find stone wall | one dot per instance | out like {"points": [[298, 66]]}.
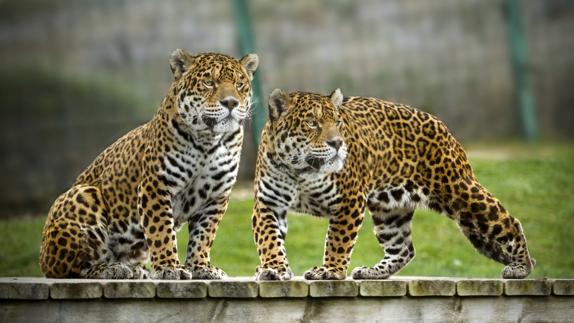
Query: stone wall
{"points": [[406, 299]]}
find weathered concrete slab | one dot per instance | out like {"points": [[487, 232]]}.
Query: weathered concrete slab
{"points": [[39, 288], [233, 289], [528, 287], [76, 289], [129, 289], [382, 288], [480, 287], [292, 288], [563, 287], [432, 287], [181, 289], [309, 309], [24, 288], [333, 288]]}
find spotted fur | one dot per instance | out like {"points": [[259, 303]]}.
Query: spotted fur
{"points": [[335, 157], [178, 168]]}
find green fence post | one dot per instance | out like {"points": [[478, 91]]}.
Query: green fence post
{"points": [[243, 21], [522, 86]]}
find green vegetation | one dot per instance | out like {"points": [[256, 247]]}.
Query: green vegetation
{"points": [[537, 187], [49, 94]]}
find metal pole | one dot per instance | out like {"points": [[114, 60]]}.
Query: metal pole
{"points": [[518, 57], [243, 21]]}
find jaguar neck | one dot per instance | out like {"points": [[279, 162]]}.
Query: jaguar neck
{"points": [[202, 140]]}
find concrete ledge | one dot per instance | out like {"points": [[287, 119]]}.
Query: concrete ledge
{"points": [[410, 299], [181, 289], [479, 287], [82, 289], [382, 288], [333, 288], [528, 287], [129, 289], [432, 287], [563, 287], [243, 288], [274, 289], [308, 309], [24, 288]]}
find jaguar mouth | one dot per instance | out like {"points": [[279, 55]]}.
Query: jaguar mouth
{"points": [[226, 124], [213, 122], [209, 121], [317, 163]]}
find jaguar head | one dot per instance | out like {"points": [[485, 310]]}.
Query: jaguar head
{"points": [[304, 130], [213, 90]]}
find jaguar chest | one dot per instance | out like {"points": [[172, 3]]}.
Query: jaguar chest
{"points": [[318, 197], [210, 179]]}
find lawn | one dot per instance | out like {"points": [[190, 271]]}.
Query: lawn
{"points": [[535, 184]]}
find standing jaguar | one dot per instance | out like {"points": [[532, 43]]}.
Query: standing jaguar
{"points": [[177, 168], [334, 157]]}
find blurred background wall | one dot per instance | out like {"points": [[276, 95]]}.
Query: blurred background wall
{"points": [[75, 75]]}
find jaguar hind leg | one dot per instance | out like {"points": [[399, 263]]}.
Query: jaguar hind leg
{"points": [[103, 262], [393, 231], [75, 242], [492, 230], [74, 233]]}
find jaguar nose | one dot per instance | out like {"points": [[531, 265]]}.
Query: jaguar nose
{"points": [[335, 143], [229, 102]]}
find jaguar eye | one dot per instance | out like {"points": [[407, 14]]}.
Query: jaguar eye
{"points": [[339, 123], [209, 83], [239, 85], [312, 124]]}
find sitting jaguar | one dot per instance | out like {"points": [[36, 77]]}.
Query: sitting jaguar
{"points": [[334, 157], [177, 168]]}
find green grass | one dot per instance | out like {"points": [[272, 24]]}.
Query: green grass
{"points": [[538, 188]]}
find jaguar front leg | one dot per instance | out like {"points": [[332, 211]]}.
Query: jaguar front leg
{"points": [[202, 229], [155, 210], [341, 236], [269, 227]]}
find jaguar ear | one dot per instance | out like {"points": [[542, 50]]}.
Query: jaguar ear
{"points": [[250, 62], [277, 104], [180, 61], [337, 98]]}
